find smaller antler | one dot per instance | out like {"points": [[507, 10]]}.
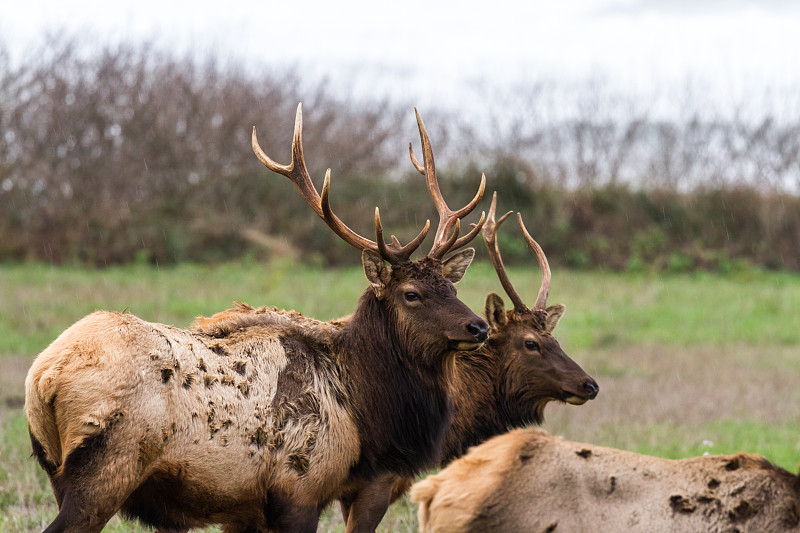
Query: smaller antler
{"points": [[297, 172], [490, 238], [544, 290], [446, 238]]}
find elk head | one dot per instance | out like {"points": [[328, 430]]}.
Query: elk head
{"points": [[537, 366], [419, 296]]}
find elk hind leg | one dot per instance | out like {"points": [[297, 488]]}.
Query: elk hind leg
{"points": [[92, 483], [50, 468]]}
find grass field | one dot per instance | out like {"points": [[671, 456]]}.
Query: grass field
{"points": [[686, 364]]}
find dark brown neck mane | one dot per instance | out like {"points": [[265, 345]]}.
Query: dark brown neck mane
{"points": [[403, 408], [485, 403]]}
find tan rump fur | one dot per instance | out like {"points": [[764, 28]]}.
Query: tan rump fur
{"points": [[529, 481], [189, 405]]}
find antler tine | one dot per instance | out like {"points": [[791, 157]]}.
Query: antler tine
{"points": [[414, 161], [448, 219], [339, 227], [544, 290], [394, 253], [476, 228], [466, 209], [297, 172], [490, 238], [409, 248]]}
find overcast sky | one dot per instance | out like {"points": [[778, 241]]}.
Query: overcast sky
{"points": [[422, 49]]}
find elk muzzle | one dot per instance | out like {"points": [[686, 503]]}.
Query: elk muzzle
{"points": [[587, 391], [477, 331]]}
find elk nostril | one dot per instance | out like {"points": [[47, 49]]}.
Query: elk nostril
{"points": [[479, 330], [591, 389]]}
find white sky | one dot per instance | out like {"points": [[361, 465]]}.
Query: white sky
{"points": [[422, 50]]}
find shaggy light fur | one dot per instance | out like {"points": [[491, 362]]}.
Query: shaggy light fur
{"points": [[202, 406]]}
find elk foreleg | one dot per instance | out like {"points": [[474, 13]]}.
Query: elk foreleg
{"points": [[366, 510], [285, 514]]}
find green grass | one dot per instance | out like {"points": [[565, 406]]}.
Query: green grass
{"points": [[780, 443], [41, 301], [603, 309], [687, 363], [754, 308]]}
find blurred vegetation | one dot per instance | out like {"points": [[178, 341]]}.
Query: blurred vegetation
{"points": [[605, 309], [127, 154]]}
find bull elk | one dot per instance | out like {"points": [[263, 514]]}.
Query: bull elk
{"points": [[259, 424], [521, 368], [529, 481]]}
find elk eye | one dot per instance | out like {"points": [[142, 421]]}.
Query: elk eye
{"points": [[412, 296], [532, 345]]}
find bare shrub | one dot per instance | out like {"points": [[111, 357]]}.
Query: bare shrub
{"points": [[129, 153]]}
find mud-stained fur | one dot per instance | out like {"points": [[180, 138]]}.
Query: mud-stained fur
{"points": [[529, 481], [255, 418], [181, 414], [501, 386]]}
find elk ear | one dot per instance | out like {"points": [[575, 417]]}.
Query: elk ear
{"points": [[456, 265], [495, 311], [554, 314], [378, 272]]}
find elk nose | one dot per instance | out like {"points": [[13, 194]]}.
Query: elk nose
{"points": [[592, 388], [479, 329]]}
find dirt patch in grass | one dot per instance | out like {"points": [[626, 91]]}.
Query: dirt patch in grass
{"points": [[670, 400]]}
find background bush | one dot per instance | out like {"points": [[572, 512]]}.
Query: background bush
{"points": [[130, 154]]}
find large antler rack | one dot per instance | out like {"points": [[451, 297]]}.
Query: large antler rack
{"points": [[297, 172], [446, 238], [490, 237]]}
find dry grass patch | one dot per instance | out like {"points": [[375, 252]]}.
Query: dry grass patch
{"points": [[680, 401]]}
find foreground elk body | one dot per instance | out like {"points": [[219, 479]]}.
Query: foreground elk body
{"points": [[521, 368], [257, 423], [529, 481]]}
